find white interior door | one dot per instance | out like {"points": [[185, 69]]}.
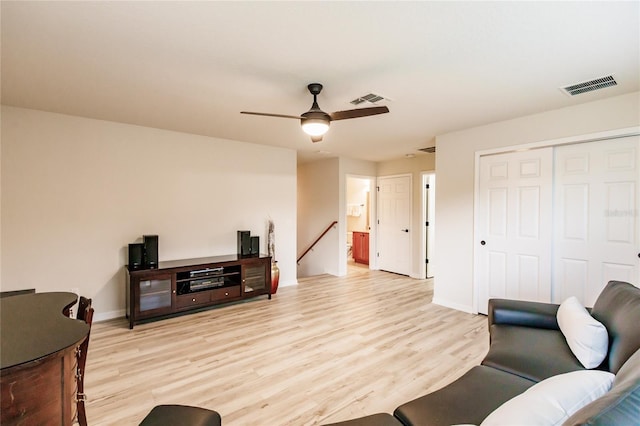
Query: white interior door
{"points": [[596, 217], [394, 224], [429, 181], [514, 227]]}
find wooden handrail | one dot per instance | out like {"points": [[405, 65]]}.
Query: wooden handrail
{"points": [[317, 239]]}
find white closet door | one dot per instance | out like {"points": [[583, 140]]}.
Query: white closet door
{"points": [[514, 227], [596, 236], [394, 224]]}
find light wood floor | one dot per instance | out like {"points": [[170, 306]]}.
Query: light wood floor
{"points": [[326, 350]]}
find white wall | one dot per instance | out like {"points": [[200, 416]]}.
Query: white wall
{"points": [[414, 166], [76, 192], [318, 206], [455, 174]]}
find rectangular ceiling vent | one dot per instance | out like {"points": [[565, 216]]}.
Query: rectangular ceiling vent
{"points": [[590, 86], [428, 150], [371, 98]]}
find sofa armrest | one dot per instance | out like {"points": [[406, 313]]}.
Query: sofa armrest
{"points": [[523, 313]]}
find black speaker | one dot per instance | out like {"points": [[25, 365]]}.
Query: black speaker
{"points": [[244, 243], [136, 255], [255, 246], [150, 250]]}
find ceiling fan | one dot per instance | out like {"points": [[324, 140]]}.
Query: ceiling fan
{"points": [[315, 122]]}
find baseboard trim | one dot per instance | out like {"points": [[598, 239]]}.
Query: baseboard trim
{"points": [[452, 305], [105, 316], [289, 283]]}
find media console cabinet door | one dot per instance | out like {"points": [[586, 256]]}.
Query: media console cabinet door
{"points": [[154, 294], [255, 278], [151, 294]]}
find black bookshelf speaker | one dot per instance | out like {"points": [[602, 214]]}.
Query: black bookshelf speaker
{"points": [[150, 250], [244, 243], [136, 255], [255, 246]]}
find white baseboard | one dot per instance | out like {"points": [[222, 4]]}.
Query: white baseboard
{"points": [[456, 306], [288, 283], [104, 316]]}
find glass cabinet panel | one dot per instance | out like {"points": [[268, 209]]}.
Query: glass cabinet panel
{"points": [[254, 278], [155, 294]]}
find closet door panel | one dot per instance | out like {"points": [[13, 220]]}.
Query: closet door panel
{"points": [[618, 271], [528, 215], [497, 273], [595, 217], [530, 283], [576, 205], [620, 199], [574, 274], [514, 227]]}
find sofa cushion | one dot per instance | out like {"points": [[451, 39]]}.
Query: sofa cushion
{"points": [[553, 400], [379, 419], [167, 415], [467, 400], [620, 406], [522, 312], [618, 308], [532, 353], [587, 337]]}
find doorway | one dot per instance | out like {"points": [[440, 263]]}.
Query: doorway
{"points": [[358, 222]]}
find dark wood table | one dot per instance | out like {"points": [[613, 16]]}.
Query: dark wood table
{"points": [[38, 357]]}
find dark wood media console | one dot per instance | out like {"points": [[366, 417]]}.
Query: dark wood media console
{"points": [[183, 285]]}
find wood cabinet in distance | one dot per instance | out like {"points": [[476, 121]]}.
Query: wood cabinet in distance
{"points": [[183, 285], [361, 247]]}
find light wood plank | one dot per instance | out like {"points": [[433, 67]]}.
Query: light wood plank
{"points": [[329, 349]]}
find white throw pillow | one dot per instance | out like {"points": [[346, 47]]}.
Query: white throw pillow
{"points": [[552, 401], [587, 337]]}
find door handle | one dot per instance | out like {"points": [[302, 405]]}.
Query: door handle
{"points": [[404, 230]]}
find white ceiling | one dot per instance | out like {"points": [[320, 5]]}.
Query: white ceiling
{"points": [[193, 66]]}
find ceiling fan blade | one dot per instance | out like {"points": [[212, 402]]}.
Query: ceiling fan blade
{"points": [[360, 112], [265, 114], [316, 138]]}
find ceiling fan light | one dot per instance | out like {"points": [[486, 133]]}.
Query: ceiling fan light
{"points": [[315, 126]]}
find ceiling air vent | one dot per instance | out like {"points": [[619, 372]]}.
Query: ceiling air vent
{"points": [[590, 86], [428, 150], [372, 98]]}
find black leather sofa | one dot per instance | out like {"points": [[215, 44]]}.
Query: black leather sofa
{"points": [[526, 347]]}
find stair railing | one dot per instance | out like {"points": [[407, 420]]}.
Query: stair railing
{"points": [[335, 222]]}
